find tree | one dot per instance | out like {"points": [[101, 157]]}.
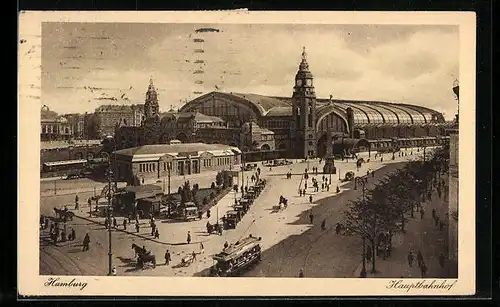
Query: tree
{"points": [[212, 186], [219, 178], [367, 219]]}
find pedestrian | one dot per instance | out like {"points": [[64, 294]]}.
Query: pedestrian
{"points": [[63, 236], [167, 257], [422, 213], [137, 227], [410, 259], [323, 225], [86, 242], [301, 273], [113, 271], [328, 188], [153, 229], [423, 269], [76, 202], [208, 213], [194, 256], [310, 199], [202, 248], [441, 260], [311, 217], [337, 228], [188, 237], [420, 258], [157, 233], [73, 234], [338, 190], [226, 245], [434, 213], [115, 223], [373, 174], [441, 225], [124, 224]]}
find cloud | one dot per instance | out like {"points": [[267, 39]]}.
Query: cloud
{"points": [[408, 64]]}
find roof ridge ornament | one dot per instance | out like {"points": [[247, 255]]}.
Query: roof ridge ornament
{"points": [[304, 54]]}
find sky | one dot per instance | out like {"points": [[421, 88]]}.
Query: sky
{"points": [[85, 65]]}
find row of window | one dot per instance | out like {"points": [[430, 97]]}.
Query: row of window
{"points": [[276, 124], [267, 137], [207, 162], [147, 167]]}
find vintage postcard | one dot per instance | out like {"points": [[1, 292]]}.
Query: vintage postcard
{"points": [[238, 153]]}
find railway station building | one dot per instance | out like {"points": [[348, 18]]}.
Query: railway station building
{"points": [[303, 124]]}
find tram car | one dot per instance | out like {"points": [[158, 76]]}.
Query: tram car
{"points": [[237, 258]]}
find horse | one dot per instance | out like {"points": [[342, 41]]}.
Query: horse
{"points": [[138, 250], [63, 214]]}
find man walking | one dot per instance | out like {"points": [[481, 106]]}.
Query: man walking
{"points": [[137, 227], [167, 257], [423, 270], [410, 259], [124, 224], [323, 225], [420, 259], [157, 234], [310, 199], [189, 237], [311, 217], [301, 273], [422, 213], [76, 202], [86, 242]]}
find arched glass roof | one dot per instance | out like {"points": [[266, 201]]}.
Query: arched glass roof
{"points": [[389, 116], [373, 115], [358, 115]]}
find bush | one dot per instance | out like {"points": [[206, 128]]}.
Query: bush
{"points": [[212, 195], [205, 201], [213, 186]]}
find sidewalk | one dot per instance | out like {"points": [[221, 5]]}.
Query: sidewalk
{"points": [[423, 235]]}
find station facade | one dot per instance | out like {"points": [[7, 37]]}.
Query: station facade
{"points": [[303, 124]]}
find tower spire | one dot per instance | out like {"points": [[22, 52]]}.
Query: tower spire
{"points": [[304, 66]]}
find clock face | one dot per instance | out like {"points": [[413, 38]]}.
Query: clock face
{"points": [[299, 82], [309, 82]]}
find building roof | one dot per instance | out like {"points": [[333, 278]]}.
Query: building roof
{"points": [[154, 152], [119, 107], [196, 116], [365, 112]]}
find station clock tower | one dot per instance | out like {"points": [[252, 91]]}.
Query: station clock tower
{"points": [[304, 111]]}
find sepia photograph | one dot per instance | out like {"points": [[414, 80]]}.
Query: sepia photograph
{"points": [[264, 150]]}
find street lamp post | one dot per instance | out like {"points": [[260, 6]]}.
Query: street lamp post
{"points": [[110, 253], [362, 181]]}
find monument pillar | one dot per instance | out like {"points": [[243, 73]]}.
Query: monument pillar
{"points": [[329, 167]]}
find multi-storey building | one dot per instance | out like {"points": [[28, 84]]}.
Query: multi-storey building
{"points": [[108, 116], [54, 127]]}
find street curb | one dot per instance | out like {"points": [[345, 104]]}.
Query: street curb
{"points": [[141, 236]]}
